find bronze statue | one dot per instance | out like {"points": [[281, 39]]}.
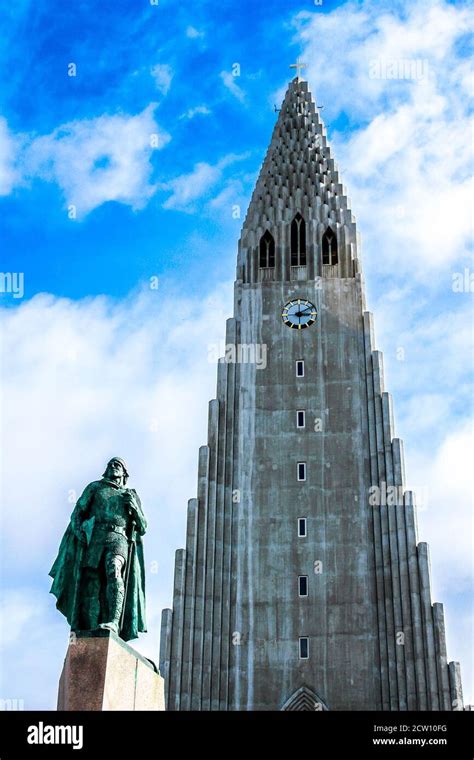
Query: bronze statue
{"points": [[99, 573]]}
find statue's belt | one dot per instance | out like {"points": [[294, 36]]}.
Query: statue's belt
{"points": [[111, 527]]}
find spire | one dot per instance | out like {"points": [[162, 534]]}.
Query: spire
{"points": [[299, 176], [298, 65], [298, 173]]}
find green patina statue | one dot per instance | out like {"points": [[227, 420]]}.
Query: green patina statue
{"points": [[99, 573]]}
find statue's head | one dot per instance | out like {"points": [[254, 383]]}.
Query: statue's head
{"points": [[116, 470]]}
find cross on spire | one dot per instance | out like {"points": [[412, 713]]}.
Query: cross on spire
{"points": [[298, 65]]}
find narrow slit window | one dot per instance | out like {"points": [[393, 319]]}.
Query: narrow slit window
{"points": [[300, 418], [304, 648], [302, 527], [329, 247], [300, 368], [303, 585], [301, 470], [267, 250], [298, 241]]}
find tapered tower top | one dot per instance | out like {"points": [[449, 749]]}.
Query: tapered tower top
{"points": [[299, 176]]}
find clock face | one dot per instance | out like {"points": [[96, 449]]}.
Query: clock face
{"points": [[299, 314]]}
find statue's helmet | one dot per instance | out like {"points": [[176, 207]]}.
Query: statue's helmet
{"points": [[122, 462]]}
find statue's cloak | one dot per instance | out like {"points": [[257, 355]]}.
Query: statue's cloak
{"points": [[66, 587]]}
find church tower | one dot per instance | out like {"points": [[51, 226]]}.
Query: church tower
{"points": [[303, 585]]}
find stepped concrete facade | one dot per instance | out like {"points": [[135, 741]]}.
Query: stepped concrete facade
{"points": [[303, 585]]}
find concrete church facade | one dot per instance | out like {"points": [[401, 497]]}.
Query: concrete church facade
{"points": [[303, 585]]}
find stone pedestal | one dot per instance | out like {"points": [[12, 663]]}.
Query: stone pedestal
{"points": [[102, 672]]}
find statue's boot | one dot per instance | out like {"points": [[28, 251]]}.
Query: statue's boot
{"points": [[115, 599]]}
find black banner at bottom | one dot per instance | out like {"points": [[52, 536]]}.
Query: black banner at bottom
{"points": [[374, 734]]}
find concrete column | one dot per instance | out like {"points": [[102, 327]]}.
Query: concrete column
{"points": [[210, 554], [455, 686], [415, 602], [221, 378], [441, 656], [189, 602], [377, 368], [176, 644], [197, 657], [214, 667], [221, 657], [165, 649], [377, 529], [427, 618], [387, 419], [369, 344], [397, 457]]}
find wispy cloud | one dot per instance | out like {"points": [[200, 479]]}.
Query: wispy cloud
{"points": [[98, 160], [402, 149], [194, 33], [188, 188], [407, 161], [196, 111], [109, 378], [402, 85], [10, 176], [162, 73], [230, 83]]}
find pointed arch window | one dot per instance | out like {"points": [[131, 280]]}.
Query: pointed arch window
{"points": [[267, 250], [330, 247], [298, 241], [304, 699]]}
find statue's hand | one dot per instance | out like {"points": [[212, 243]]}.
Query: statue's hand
{"points": [[130, 502], [134, 508]]}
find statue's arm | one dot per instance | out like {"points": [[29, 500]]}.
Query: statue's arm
{"points": [[80, 511], [137, 512]]}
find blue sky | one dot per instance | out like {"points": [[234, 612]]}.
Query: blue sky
{"points": [[115, 48], [155, 142]]}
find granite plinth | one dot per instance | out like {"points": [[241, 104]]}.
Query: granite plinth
{"points": [[102, 672]]}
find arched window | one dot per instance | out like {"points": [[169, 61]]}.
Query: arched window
{"points": [[267, 250], [304, 699], [329, 247], [298, 241]]}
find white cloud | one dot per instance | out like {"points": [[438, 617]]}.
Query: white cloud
{"points": [[108, 377], [9, 146], [427, 344], [426, 347], [20, 611], [162, 73], [193, 33], [107, 158], [411, 150], [231, 194], [114, 378], [446, 519], [129, 378], [405, 156], [196, 111], [191, 187], [31, 642], [367, 32], [229, 82]]}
